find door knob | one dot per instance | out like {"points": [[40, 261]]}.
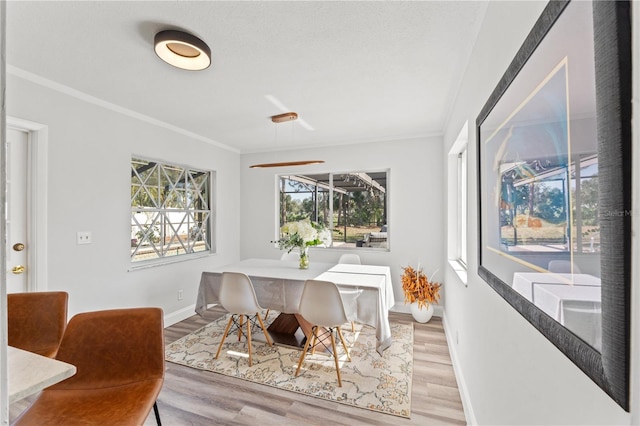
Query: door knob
{"points": [[18, 246], [18, 269]]}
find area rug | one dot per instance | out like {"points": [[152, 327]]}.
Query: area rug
{"points": [[369, 381]]}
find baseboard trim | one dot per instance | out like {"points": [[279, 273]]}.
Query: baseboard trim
{"points": [[406, 309], [462, 387], [177, 316]]}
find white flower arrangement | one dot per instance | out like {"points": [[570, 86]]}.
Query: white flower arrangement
{"points": [[301, 234]]}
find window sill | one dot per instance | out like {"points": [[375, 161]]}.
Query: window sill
{"points": [[460, 269], [167, 261]]}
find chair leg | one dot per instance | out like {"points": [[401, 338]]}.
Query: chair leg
{"points": [[314, 332], [335, 357], [224, 336], [249, 338], [266, 314], [264, 329], [157, 413], [240, 327], [353, 327], [344, 344], [304, 351]]}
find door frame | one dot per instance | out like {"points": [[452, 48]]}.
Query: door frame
{"points": [[37, 149]]}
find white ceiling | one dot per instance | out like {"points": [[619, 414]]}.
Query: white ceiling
{"points": [[353, 71]]}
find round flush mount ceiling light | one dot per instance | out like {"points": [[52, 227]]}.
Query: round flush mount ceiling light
{"points": [[182, 50]]}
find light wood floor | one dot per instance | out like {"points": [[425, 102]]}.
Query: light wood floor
{"points": [[195, 397]]}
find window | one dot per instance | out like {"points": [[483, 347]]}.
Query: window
{"points": [[457, 190], [352, 205], [170, 210], [462, 207]]}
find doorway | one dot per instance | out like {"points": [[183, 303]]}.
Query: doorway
{"points": [[26, 210], [18, 246]]}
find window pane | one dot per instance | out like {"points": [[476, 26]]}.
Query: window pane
{"points": [[169, 210], [144, 191], [462, 206], [585, 229], [353, 205]]}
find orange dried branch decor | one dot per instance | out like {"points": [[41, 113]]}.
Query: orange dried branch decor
{"points": [[417, 287]]}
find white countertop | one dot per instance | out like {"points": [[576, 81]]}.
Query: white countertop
{"points": [[29, 373]]}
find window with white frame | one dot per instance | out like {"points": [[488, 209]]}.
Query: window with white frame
{"points": [[457, 190], [352, 205], [171, 212], [461, 249]]}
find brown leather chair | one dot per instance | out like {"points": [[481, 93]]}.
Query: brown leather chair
{"points": [[36, 321], [119, 356]]}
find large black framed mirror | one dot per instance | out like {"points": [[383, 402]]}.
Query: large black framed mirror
{"points": [[554, 186]]}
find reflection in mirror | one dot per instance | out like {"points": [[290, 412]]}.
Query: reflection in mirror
{"points": [[554, 186], [541, 190], [352, 205]]}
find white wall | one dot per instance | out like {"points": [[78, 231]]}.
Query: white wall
{"points": [[90, 149], [415, 192], [509, 372]]}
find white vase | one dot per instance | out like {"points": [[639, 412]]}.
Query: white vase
{"points": [[423, 314]]}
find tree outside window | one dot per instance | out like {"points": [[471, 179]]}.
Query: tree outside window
{"points": [[353, 205]]}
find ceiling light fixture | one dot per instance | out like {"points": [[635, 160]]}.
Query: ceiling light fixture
{"points": [[282, 118], [182, 50]]}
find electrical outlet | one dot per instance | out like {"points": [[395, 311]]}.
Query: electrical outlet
{"points": [[180, 295], [83, 238]]}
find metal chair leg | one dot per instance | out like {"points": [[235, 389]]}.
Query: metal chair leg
{"points": [[157, 413], [249, 338]]}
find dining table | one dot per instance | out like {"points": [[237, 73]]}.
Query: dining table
{"points": [[526, 282], [366, 290], [552, 291], [28, 373]]}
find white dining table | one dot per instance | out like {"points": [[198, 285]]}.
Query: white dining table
{"points": [[385, 271], [524, 282], [29, 373], [552, 297], [363, 293], [279, 283], [573, 300]]}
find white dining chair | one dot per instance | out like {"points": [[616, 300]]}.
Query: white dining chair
{"points": [[238, 297], [322, 306], [350, 301], [350, 296], [563, 267], [285, 256], [351, 258], [289, 256], [584, 319]]}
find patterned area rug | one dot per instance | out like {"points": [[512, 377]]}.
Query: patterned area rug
{"points": [[369, 381]]}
